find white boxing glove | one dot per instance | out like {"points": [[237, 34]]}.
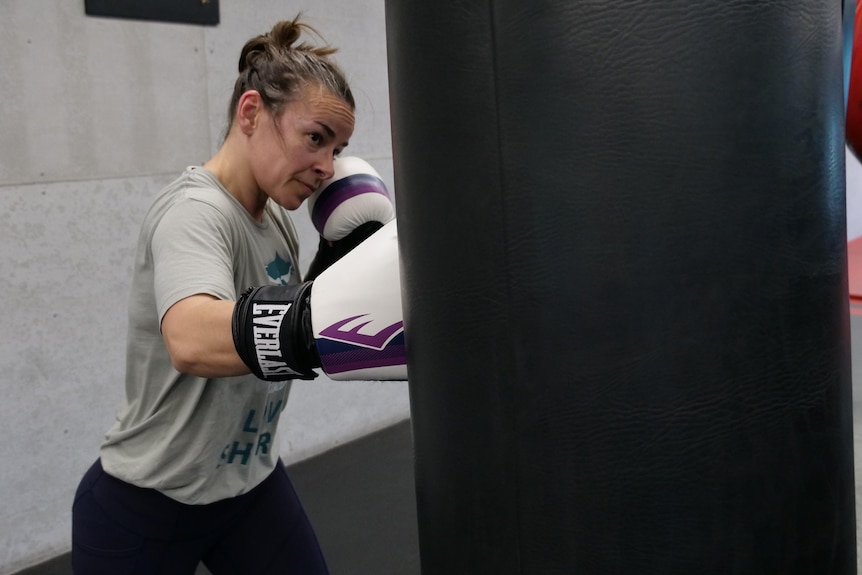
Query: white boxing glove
{"points": [[356, 317], [347, 208], [354, 195], [348, 321]]}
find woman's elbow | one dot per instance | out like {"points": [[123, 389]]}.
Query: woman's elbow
{"points": [[184, 357]]}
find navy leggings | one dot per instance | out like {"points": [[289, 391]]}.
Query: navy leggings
{"points": [[120, 529]]}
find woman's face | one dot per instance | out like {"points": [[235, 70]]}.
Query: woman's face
{"points": [[293, 155]]}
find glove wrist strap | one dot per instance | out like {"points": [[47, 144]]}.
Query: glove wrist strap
{"points": [[272, 332]]}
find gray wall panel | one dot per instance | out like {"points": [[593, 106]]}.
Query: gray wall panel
{"points": [[97, 97]]}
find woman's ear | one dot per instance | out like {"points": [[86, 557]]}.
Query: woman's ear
{"points": [[248, 111]]}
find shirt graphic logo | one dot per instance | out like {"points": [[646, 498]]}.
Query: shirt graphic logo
{"points": [[278, 271]]}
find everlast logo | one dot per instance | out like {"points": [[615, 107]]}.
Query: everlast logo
{"points": [[267, 318]]}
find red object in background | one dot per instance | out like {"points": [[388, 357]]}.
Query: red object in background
{"points": [[854, 92], [854, 275]]}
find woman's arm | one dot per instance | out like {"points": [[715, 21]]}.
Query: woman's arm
{"points": [[198, 334]]}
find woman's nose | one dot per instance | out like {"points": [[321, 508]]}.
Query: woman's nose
{"points": [[325, 167]]}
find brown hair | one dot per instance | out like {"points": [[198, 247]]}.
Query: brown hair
{"points": [[278, 70]]}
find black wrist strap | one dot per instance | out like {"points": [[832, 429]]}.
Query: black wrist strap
{"points": [[272, 332]]}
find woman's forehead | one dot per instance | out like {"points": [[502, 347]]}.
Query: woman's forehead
{"points": [[324, 108]]}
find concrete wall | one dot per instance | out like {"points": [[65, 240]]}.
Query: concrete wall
{"points": [[97, 114]]}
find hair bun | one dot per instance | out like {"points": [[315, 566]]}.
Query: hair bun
{"points": [[285, 33]]}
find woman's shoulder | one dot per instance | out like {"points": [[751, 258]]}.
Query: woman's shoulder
{"points": [[199, 184], [191, 204], [196, 190]]}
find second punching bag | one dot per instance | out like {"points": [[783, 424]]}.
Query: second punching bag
{"points": [[623, 248]]}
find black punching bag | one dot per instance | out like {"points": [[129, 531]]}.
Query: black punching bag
{"points": [[623, 242]]}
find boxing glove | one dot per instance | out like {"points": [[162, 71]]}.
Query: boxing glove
{"points": [[347, 322], [356, 314], [346, 209]]}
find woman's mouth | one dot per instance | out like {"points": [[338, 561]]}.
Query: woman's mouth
{"points": [[307, 189]]}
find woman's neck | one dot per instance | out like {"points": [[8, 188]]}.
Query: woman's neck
{"points": [[237, 179]]}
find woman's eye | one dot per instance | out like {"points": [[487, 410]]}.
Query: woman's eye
{"points": [[316, 138]]}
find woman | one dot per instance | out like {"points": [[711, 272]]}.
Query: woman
{"points": [[190, 472]]}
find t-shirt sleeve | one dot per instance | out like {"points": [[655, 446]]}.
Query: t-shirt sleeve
{"points": [[192, 254]]}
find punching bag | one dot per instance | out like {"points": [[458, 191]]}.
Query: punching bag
{"points": [[623, 244]]}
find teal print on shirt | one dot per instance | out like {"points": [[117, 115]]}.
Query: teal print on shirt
{"points": [[240, 452], [278, 270]]}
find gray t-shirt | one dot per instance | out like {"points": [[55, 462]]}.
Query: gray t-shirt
{"points": [[198, 440]]}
